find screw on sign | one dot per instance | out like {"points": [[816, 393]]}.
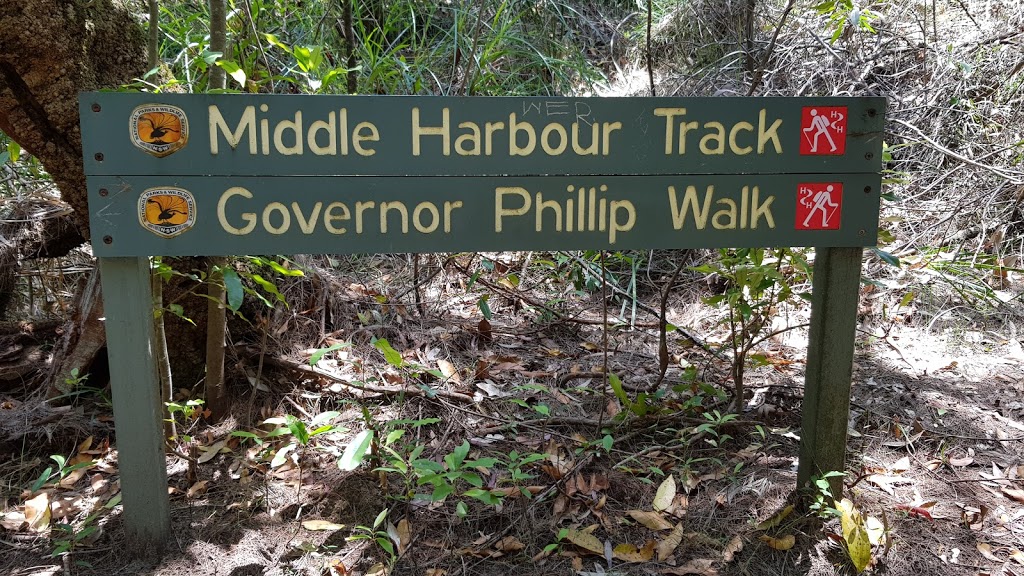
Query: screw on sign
{"points": [[819, 206], [824, 131]]}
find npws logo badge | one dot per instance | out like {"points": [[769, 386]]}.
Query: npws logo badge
{"points": [[159, 129], [167, 211]]}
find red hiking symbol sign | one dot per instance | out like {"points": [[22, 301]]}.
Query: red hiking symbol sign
{"points": [[823, 131], [819, 206]]}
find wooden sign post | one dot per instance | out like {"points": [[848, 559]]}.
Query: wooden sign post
{"points": [[176, 175]]}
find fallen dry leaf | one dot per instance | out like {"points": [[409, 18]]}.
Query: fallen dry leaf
{"points": [[629, 553], [776, 519], [1014, 494], [901, 465], [404, 535], [509, 544], [37, 512], [77, 474], [782, 543], [197, 488], [651, 520], [961, 462], [1017, 556], [12, 520], [449, 371], [665, 494], [321, 525], [210, 451], [668, 545], [585, 540], [699, 566], [986, 551], [734, 546]]}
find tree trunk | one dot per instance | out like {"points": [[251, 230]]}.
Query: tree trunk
{"points": [[50, 50]]}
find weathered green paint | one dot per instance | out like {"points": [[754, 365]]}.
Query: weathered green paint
{"points": [[637, 147], [826, 405], [127, 305], [116, 230]]}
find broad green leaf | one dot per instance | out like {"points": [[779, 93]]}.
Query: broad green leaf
{"points": [[233, 289], [298, 429], [14, 149], [233, 70], [887, 257], [318, 354], [268, 286], [353, 455], [620, 392], [323, 418], [390, 354]]}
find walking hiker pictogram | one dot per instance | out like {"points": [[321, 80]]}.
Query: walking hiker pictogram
{"points": [[823, 131], [819, 206]]}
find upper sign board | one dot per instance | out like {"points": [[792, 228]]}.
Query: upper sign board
{"points": [[231, 174], [264, 135]]}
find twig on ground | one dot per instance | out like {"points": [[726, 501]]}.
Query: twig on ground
{"points": [[386, 390]]}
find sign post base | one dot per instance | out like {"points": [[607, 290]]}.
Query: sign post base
{"points": [[127, 305], [826, 406]]}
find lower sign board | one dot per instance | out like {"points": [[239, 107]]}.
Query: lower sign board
{"points": [[225, 215]]}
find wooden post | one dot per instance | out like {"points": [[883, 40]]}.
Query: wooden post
{"points": [[127, 300], [826, 405]]}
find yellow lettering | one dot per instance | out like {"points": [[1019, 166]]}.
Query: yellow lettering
{"points": [[307, 226], [386, 207], [296, 128], [332, 137], [330, 217], [286, 220], [472, 137], [435, 216], [248, 217], [360, 208], [616, 225], [442, 131], [729, 212], [514, 128], [499, 204], [246, 124], [489, 129], [449, 207], [669, 114], [737, 149], [718, 135], [562, 139], [679, 211], [358, 137]]}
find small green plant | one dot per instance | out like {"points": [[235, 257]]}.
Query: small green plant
{"points": [[56, 475], [822, 501], [300, 436], [755, 286], [378, 534], [67, 538], [715, 420], [184, 415], [845, 18]]}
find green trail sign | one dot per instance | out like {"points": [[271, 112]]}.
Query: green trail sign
{"points": [[212, 175], [173, 174]]}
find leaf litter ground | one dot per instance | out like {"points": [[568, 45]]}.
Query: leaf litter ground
{"points": [[935, 450]]}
